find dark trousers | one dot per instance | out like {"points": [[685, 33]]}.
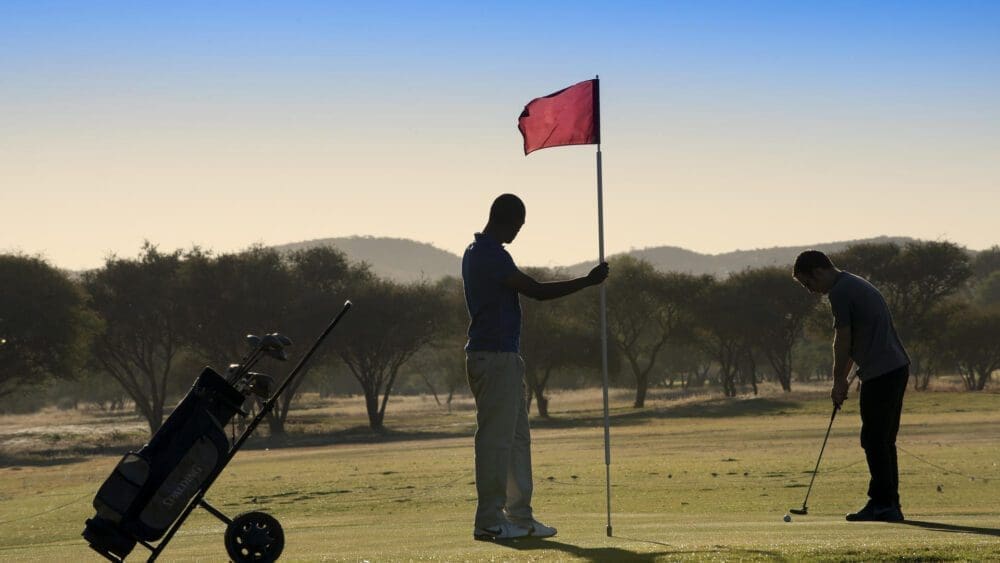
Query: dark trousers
{"points": [[881, 404]]}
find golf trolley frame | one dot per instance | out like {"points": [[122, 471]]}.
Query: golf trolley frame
{"points": [[252, 536]]}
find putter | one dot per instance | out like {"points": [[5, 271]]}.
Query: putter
{"points": [[805, 509]]}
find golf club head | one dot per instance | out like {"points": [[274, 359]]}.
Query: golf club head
{"points": [[799, 511], [261, 384], [253, 340], [277, 353], [285, 341], [274, 346]]}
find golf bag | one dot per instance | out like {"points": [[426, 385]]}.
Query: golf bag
{"points": [[148, 489], [151, 492]]}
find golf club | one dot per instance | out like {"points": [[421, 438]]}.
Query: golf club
{"points": [[270, 344], [274, 345], [805, 509]]}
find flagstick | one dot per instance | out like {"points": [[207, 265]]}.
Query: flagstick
{"points": [[604, 338]]}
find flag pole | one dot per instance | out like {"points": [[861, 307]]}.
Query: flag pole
{"points": [[604, 316]]}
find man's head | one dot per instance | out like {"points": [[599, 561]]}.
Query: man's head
{"points": [[506, 217], [815, 271]]}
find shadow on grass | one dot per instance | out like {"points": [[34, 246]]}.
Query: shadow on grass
{"points": [[46, 459], [599, 554], [712, 408], [354, 435], [594, 554], [940, 527]]}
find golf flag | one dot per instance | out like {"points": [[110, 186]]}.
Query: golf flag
{"points": [[570, 116]]}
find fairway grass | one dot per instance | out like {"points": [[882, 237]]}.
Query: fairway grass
{"points": [[698, 478]]}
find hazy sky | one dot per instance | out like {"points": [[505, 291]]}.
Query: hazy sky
{"points": [[726, 125]]}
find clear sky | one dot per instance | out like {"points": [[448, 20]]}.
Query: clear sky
{"points": [[726, 125]]}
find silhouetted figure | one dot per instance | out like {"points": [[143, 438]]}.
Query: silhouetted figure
{"points": [[496, 372], [865, 336]]}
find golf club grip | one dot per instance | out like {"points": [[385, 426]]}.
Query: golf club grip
{"points": [[850, 380]]}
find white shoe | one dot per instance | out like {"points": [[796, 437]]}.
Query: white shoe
{"points": [[503, 531], [536, 529]]}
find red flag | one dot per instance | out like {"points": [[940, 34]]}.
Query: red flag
{"points": [[571, 116]]}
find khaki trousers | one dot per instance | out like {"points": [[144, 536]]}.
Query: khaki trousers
{"points": [[503, 438]]}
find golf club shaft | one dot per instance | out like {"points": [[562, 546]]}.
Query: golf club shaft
{"points": [[823, 447], [833, 415], [247, 364]]}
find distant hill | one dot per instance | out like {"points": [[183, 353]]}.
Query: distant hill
{"points": [[406, 260], [402, 260], [673, 259]]}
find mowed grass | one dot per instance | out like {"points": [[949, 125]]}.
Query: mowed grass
{"points": [[695, 478]]}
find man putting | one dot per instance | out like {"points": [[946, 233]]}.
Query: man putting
{"points": [[865, 336], [496, 373]]}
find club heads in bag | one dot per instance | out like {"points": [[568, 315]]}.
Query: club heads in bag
{"points": [[253, 340], [274, 345], [261, 384]]}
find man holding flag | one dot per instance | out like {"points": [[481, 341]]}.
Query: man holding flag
{"points": [[493, 284]]}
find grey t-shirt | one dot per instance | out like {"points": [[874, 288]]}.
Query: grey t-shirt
{"points": [[875, 347]]}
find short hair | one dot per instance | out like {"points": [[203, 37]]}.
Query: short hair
{"points": [[507, 209], [811, 260]]}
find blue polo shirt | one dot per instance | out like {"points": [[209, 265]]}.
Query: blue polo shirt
{"points": [[494, 309]]}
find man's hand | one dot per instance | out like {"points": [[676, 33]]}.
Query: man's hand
{"points": [[839, 392], [598, 274]]}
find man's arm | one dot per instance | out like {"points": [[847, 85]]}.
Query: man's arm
{"points": [[527, 285], [841, 363]]}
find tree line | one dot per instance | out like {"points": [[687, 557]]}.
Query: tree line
{"points": [[137, 329]]}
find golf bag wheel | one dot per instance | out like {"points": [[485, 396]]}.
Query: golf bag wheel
{"points": [[254, 536]]}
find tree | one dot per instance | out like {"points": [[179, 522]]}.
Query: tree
{"points": [[147, 321], [554, 337], [988, 291], [443, 362], [920, 278], [973, 344], [779, 308], [236, 294], [915, 280], [321, 279], [724, 328], [986, 262], [932, 345], [645, 309], [868, 260], [390, 324], [97, 388], [44, 326], [685, 362]]}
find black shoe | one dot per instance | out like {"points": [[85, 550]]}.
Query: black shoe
{"points": [[877, 513]]}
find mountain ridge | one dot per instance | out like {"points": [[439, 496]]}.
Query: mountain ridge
{"points": [[407, 260]]}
